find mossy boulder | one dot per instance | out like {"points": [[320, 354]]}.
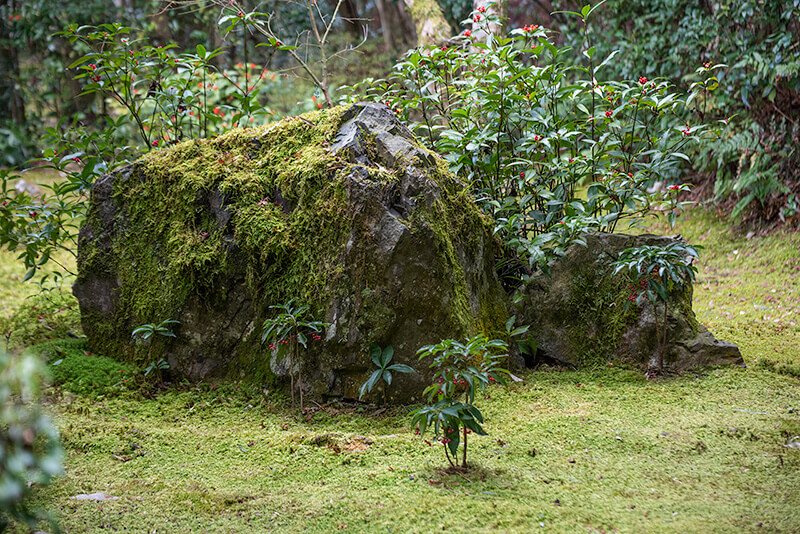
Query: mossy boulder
{"points": [[581, 316], [340, 208]]}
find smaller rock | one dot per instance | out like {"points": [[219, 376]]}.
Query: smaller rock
{"points": [[582, 314], [99, 496], [27, 188]]}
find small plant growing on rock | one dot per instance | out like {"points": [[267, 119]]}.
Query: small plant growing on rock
{"points": [[290, 327], [144, 333], [657, 270], [461, 370], [382, 359]]}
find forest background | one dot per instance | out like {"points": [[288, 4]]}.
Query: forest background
{"points": [[752, 172]]}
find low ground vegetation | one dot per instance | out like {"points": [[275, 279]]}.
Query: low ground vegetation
{"points": [[600, 449]]}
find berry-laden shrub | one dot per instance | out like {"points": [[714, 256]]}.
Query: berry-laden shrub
{"points": [[755, 169], [550, 148]]}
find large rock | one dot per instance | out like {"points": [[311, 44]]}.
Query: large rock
{"points": [[341, 209], [581, 315]]}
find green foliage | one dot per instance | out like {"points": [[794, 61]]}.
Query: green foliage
{"points": [[152, 96], [163, 329], [746, 172], [167, 96], [144, 332], [290, 327], [461, 370], [758, 92], [528, 128], [657, 271], [382, 359], [33, 91], [30, 452]]}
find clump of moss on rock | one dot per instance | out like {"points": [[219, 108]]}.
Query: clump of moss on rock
{"points": [[340, 208]]}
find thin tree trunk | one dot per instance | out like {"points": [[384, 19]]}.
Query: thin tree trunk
{"points": [[386, 26], [663, 344], [431, 26], [464, 457]]}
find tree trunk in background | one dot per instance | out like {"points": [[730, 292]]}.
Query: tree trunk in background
{"points": [[349, 14], [431, 26], [386, 26], [11, 104], [403, 32]]}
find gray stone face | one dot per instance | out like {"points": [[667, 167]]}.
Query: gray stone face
{"points": [[414, 265], [581, 315]]}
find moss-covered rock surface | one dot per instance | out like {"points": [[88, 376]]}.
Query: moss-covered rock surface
{"points": [[340, 208]]}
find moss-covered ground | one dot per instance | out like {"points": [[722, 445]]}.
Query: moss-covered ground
{"points": [[599, 450]]}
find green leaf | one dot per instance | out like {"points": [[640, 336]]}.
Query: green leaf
{"points": [[375, 353], [386, 356], [371, 381]]}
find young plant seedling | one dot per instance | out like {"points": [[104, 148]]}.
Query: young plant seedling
{"points": [[290, 327], [144, 333], [382, 359], [657, 271], [461, 370]]}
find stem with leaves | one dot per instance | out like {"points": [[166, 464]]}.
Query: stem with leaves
{"points": [[289, 327]]}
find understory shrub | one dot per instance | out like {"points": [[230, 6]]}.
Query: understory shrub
{"points": [[550, 148], [755, 169]]}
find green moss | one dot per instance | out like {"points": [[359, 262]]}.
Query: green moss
{"points": [[75, 369], [615, 450], [182, 249], [457, 225], [42, 316], [599, 315]]}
